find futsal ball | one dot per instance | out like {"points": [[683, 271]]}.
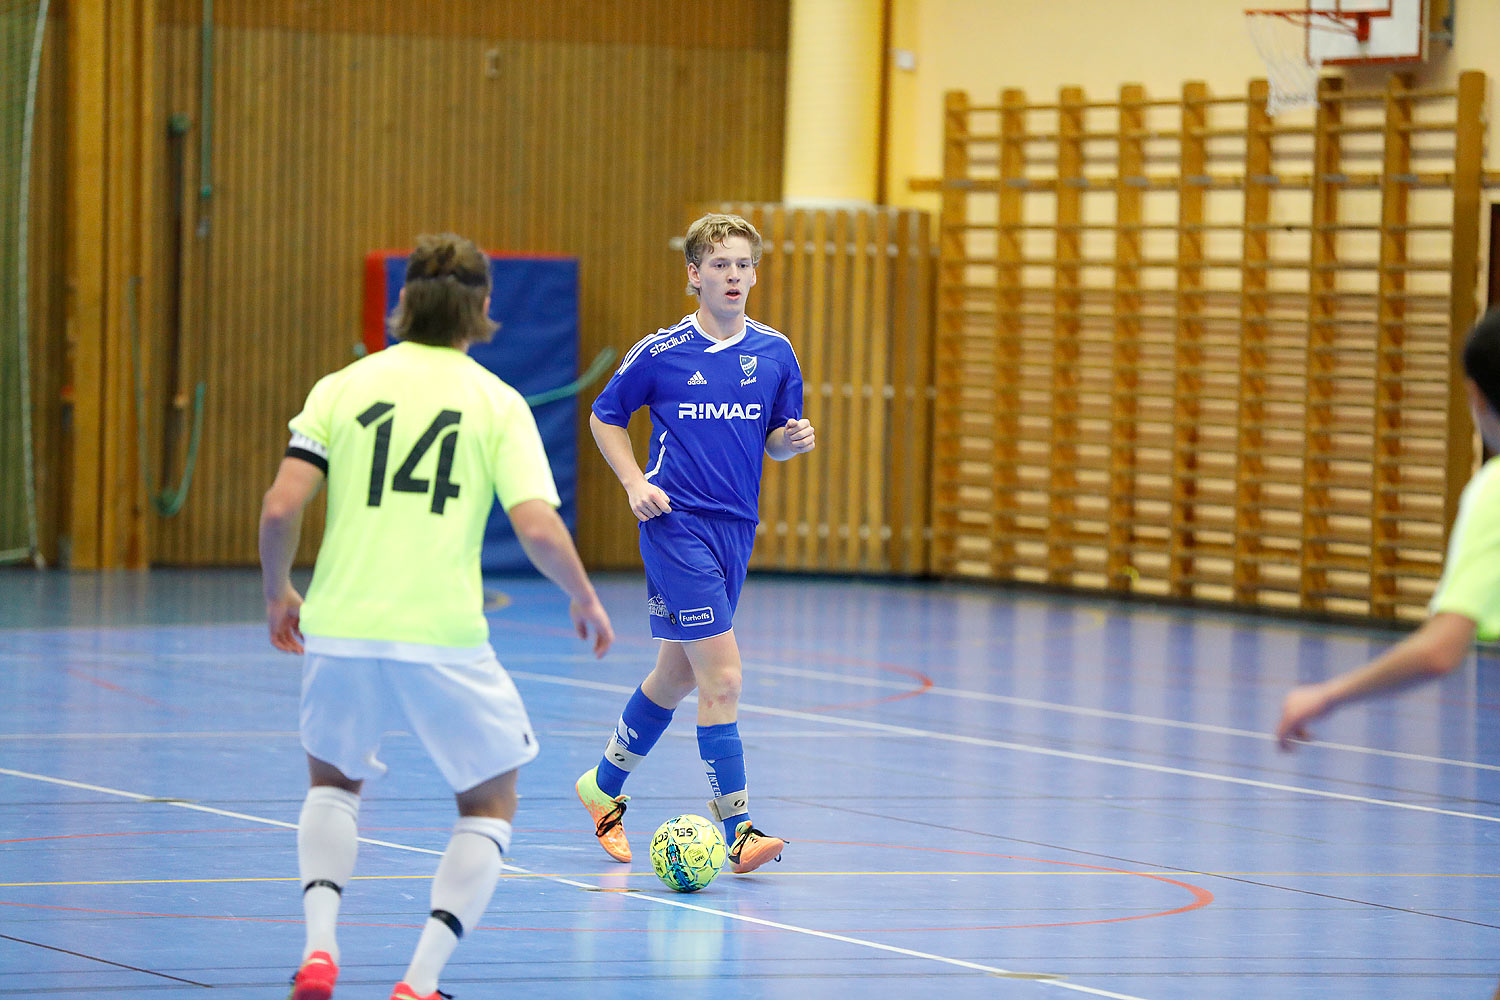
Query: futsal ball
{"points": [[687, 852]]}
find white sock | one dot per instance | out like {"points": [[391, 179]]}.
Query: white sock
{"points": [[327, 842], [461, 889]]}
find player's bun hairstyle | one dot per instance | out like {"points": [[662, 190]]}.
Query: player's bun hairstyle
{"points": [[716, 227], [1482, 357], [447, 281]]}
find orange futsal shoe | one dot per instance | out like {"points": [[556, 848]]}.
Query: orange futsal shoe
{"points": [[314, 981], [405, 992], [608, 813], [752, 849]]}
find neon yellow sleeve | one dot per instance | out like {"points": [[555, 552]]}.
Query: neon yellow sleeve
{"points": [[1471, 573], [315, 420], [522, 471]]}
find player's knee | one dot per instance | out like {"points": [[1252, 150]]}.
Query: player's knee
{"points": [[722, 688], [496, 797]]}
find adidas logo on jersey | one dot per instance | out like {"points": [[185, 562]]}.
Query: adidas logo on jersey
{"points": [[697, 379]]}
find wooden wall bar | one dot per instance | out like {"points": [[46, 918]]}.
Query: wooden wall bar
{"points": [[1267, 312], [852, 290]]}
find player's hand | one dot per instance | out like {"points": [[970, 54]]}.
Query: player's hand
{"points": [[590, 616], [800, 437], [1302, 705], [647, 501], [284, 619]]}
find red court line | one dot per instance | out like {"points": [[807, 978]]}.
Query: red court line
{"points": [[1201, 896], [75, 672], [190, 916], [924, 684], [365, 923], [140, 833]]}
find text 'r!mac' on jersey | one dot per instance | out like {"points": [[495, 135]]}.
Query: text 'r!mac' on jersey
{"points": [[712, 404]]}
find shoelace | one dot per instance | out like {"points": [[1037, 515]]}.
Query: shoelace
{"points": [[741, 841], [611, 819]]}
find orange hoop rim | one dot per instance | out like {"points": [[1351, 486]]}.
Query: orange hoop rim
{"points": [[1356, 24]]}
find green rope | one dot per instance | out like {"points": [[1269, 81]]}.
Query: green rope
{"points": [[206, 111], [23, 319], [166, 504], [597, 367]]}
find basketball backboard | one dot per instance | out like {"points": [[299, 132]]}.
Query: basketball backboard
{"points": [[1396, 32]]}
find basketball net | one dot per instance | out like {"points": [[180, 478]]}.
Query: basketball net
{"points": [[1292, 70]]}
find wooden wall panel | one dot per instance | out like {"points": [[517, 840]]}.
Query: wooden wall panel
{"points": [[110, 63], [672, 23], [1269, 310], [342, 127]]}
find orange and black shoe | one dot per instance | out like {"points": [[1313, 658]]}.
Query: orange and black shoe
{"points": [[315, 979], [752, 848], [608, 813]]}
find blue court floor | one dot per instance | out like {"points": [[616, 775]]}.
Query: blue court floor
{"points": [[989, 793]]}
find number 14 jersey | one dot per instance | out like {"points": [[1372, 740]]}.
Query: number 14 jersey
{"points": [[416, 441]]}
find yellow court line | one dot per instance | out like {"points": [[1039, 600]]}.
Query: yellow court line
{"points": [[509, 874], [192, 881], [1349, 874], [802, 874]]}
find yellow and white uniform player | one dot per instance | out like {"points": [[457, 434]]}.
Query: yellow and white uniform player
{"points": [[414, 442], [1466, 605]]}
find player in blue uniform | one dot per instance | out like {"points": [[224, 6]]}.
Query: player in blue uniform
{"points": [[722, 389]]}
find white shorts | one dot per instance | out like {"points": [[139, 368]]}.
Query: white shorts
{"points": [[469, 716]]}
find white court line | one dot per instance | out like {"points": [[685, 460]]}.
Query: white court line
{"points": [[1044, 979], [1088, 758], [246, 734], [1052, 706], [904, 731], [1101, 713]]}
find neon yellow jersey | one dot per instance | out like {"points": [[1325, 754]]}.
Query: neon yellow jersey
{"points": [[1471, 573], [417, 442]]}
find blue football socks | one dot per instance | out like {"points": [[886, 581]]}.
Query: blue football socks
{"points": [[724, 760], [640, 726]]}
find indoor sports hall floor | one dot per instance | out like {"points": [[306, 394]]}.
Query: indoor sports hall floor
{"points": [[989, 794]]}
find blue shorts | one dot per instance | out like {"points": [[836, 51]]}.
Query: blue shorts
{"points": [[695, 567]]}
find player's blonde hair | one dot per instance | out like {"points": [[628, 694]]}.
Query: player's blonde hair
{"points": [[447, 282], [715, 228]]}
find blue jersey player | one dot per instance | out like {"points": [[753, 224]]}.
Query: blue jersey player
{"points": [[721, 389]]}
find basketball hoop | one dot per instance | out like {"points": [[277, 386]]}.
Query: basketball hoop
{"points": [[1292, 69]]}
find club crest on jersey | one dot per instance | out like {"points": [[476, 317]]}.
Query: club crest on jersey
{"points": [[747, 365], [657, 607]]}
